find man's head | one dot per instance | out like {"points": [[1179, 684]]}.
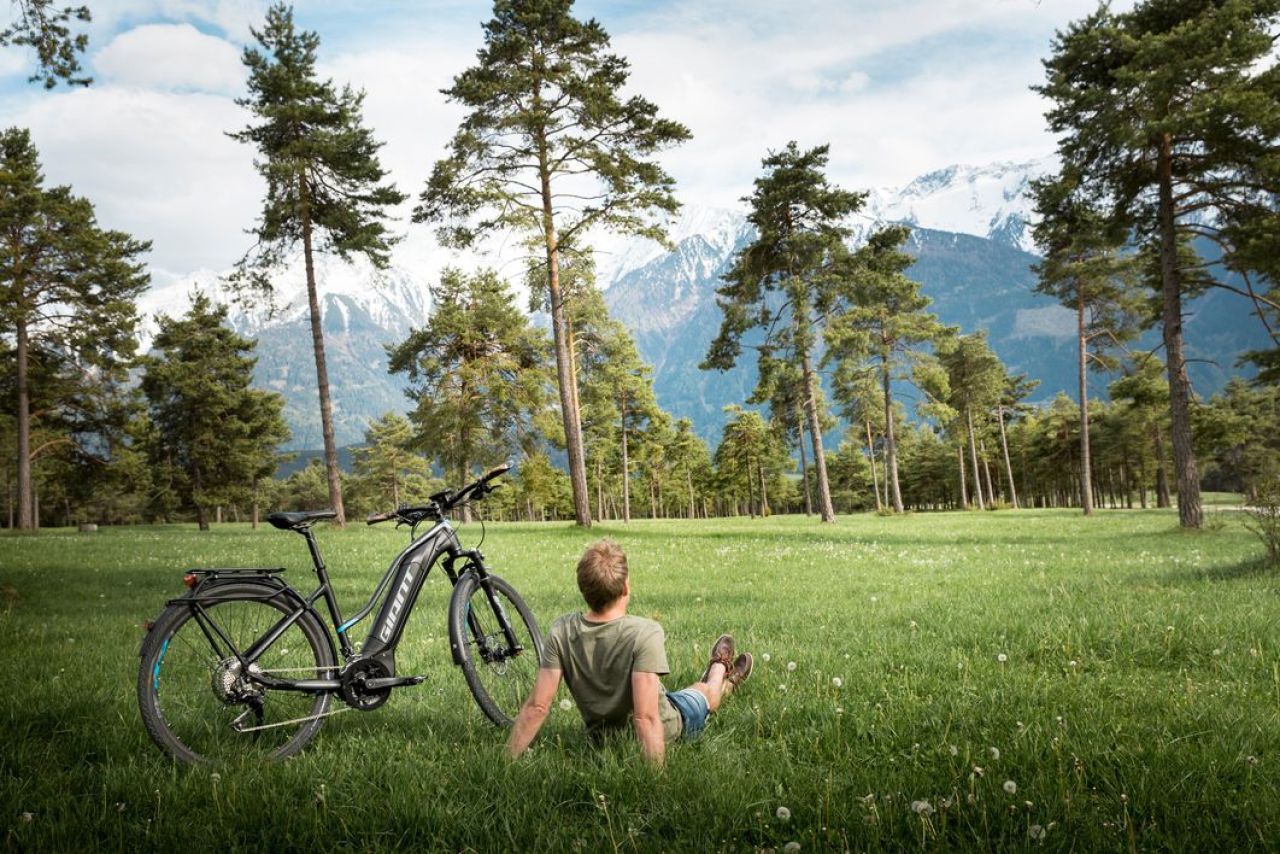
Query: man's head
{"points": [[602, 574]]}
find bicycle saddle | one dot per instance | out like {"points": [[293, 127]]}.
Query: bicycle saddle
{"points": [[299, 519]]}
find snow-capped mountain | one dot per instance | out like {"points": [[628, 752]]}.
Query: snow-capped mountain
{"points": [[985, 201]]}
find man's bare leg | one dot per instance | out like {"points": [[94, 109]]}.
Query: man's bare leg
{"points": [[715, 687]]}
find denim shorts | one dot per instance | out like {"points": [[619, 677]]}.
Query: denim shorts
{"points": [[694, 711]]}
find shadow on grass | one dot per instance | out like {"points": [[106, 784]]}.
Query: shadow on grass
{"points": [[1256, 568]]}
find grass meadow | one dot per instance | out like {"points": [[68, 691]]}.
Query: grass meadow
{"points": [[1027, 680]]}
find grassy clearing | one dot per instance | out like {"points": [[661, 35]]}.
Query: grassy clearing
{"points": [[1137, 703]]}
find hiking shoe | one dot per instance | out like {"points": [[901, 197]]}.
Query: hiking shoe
{"points": [[741, 669], [721, 653]]}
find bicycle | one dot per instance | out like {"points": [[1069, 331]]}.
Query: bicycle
{"points": [[242, 663]]}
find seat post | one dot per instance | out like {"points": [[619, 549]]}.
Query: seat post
{"points": [[314, 548]]}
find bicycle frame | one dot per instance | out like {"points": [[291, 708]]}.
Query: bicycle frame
{"points": [[404, 579]]}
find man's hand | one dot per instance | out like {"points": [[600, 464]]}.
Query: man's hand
{"points": [[534, 711], [646, 691]]}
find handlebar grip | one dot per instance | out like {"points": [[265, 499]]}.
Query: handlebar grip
{"points": [[375, 518]]}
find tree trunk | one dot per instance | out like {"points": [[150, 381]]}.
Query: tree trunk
{"points": [[1190, 513], [256, 511], [804, 466], [26, 502], [1082, 338], [986, 471], [332, 471], [764, 493], [1162, 479], [825, 509], [626, 463], [1008, 466], [751, 491], [688, 480], [599, 489], [890, 442], [875, 480], [973, 456], [564, 366], [964, 489]]}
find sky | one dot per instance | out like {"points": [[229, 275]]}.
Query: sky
{"points": [[897, 88]]}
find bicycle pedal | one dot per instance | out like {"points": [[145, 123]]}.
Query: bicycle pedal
{"points": [[385, 682]]}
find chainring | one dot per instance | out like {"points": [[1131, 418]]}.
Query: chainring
{"points": [[353, 679]]}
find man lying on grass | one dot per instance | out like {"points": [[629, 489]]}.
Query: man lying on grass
{"points": [[611, 661]]}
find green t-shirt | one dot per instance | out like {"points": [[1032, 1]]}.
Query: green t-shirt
{"points": [[597, 660]]}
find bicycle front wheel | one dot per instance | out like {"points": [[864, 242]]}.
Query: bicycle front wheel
{"points": [[499, 673], [196, 703]]}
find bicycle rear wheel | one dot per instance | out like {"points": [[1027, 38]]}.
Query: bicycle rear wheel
{"points": [[198, 706], [499, 674]]}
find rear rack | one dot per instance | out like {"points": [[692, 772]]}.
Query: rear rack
{"points": [[215, 571]]}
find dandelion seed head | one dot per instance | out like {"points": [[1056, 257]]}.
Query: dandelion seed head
{"points": [[566, 704], [791, 847], [215, 778], [1073, 663], [955, 751], [791, 665], [995, 752], [922, 808], [28, 817], [1011, 787], [837, 682], [1002, 658], [1036, 832], [765, 656], [783, 814]]}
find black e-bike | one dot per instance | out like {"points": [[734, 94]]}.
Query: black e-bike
{"points": [[243, 664]]}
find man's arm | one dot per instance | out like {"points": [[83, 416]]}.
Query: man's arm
{"points": [[534, 711], [646, 692]]}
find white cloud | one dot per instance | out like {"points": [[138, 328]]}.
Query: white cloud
{"points": [[171, 57], [157, 165]]}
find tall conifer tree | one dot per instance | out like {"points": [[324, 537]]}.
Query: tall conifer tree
{"points": [[325, 186], [1169, 114], [550, 149], [68, 293], [785, 281], [882, 321], [215, 434]]}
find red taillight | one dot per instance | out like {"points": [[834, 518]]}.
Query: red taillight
{"points": [[190, 579]]}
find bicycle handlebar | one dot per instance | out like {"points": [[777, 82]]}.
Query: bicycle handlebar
{"points": [[442, 501]]}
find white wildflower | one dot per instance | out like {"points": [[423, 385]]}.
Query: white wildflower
{"points": [[791, 665], [783, 814], [765, 656], [995, 753], [1002, 658], [922, 808], [1011, 787], [837, 682], [566, 704]]}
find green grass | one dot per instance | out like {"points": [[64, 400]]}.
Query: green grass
{"points": [[1139, 705]]}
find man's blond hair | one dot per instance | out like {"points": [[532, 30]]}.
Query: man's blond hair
{"points": [[602, 574]]}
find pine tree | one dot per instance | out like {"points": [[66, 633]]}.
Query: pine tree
{"points": [[325, 186], [214, 433], [975, 380], [882, 321], [748, 457], [46, 29], [783, 282], [67, 301], [549, 149], [386, 470], [477, 375], [1086, 269], [1168, 115]]}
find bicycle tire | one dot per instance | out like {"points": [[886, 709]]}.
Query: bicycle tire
{"points": [[498, 680], [190, 720]]}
